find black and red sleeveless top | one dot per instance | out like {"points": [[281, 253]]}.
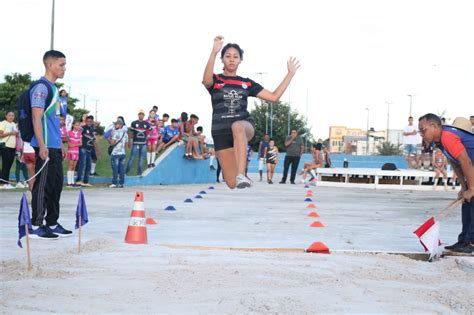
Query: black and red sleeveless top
{"points": [[229, 101]]}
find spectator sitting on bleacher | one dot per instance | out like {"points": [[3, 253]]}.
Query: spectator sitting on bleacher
{"points": [[169, 135], [201, 141], [191, 138], [164, 120], [318, 161], [155, 109]]}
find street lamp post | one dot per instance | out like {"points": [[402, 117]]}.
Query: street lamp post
{"points": [[266, 115], [96, 101], [367, 147], [388, 119], [52, 27], [411, 100], [84, 104], [289, 110]]}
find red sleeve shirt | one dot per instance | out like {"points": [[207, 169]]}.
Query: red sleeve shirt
{"points": [[452, 144]]}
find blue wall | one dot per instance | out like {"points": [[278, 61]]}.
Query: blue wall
{"points": [[355, 161], [173, 169]]}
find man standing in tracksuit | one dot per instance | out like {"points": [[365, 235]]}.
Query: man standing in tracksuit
{"points": [[48, 150]]}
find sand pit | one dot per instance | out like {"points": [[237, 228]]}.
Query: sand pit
{"points": [[198, 275]]}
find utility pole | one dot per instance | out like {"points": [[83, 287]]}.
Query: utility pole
{"points": [[289, 110], [411, 99], [388, 119], [367, 147], [52, 27], [96, 101], [306, 123], [84, 104]]}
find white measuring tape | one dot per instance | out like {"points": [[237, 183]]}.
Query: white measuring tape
{"points": [[32, 177]]}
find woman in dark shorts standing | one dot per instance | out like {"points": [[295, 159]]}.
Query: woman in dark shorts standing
{"points": [[232, 126]]}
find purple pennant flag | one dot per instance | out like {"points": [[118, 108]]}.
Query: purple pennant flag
{"points": [[23, 219], [81, 210]]}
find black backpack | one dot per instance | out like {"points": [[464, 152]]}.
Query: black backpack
{"points": [[25, 118], [389, 167]]}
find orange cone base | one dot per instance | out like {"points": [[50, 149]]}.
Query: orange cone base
{"points": [[136, 235], [313, 215], [311, 206], [318, 248], [150, 221], [316, 224]]}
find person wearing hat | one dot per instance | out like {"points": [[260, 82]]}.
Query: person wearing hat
{"points": [[138, 130], [118, 140], [457, 143]]}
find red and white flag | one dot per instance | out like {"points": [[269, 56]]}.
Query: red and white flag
{"points": [[428, 233]]}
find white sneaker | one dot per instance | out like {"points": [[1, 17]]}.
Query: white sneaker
{"points": [[20, 185], [8, 186], [242, 182], [112, 186]]}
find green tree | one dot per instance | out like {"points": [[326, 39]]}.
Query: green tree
{"points": [[17, 83], [280, 124], [388, 148]]}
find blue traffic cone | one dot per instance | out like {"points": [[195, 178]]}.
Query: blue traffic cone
{"points": [[170, 208], [188, 200]]}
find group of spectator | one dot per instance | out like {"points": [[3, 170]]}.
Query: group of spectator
{"points": [[147, 135], [151, 136]]}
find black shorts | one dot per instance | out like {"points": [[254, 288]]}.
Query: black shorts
{"points": [[226, 141]]}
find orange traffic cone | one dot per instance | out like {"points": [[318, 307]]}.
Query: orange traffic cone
{"points": [[316, 224], [136, 232], [313, 214], [311, 206], [318, 247]]}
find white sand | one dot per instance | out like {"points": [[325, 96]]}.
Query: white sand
{"points": [[111, 277]]}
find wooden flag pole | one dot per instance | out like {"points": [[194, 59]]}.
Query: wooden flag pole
{"points": [[28, 247], [446, 210], [79, 242]]}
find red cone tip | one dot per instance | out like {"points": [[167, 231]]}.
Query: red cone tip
{"points": [[138, 196]]}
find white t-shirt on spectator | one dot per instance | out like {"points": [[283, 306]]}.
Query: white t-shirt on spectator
{"points": [[412, 139]]}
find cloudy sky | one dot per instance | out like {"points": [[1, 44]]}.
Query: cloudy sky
{"points": [[130, 55]]}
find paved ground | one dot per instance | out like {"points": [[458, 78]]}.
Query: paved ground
{"points": [[265, 216]]}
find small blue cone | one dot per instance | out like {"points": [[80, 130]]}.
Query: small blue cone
{"points": [[306, 186], [170, 208], [198, 197], [188, 200], [308, 199], [211, 187], [202, 192]]}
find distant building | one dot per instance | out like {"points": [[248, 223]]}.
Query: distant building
{"points": [[337, 134], [354, 140]]}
